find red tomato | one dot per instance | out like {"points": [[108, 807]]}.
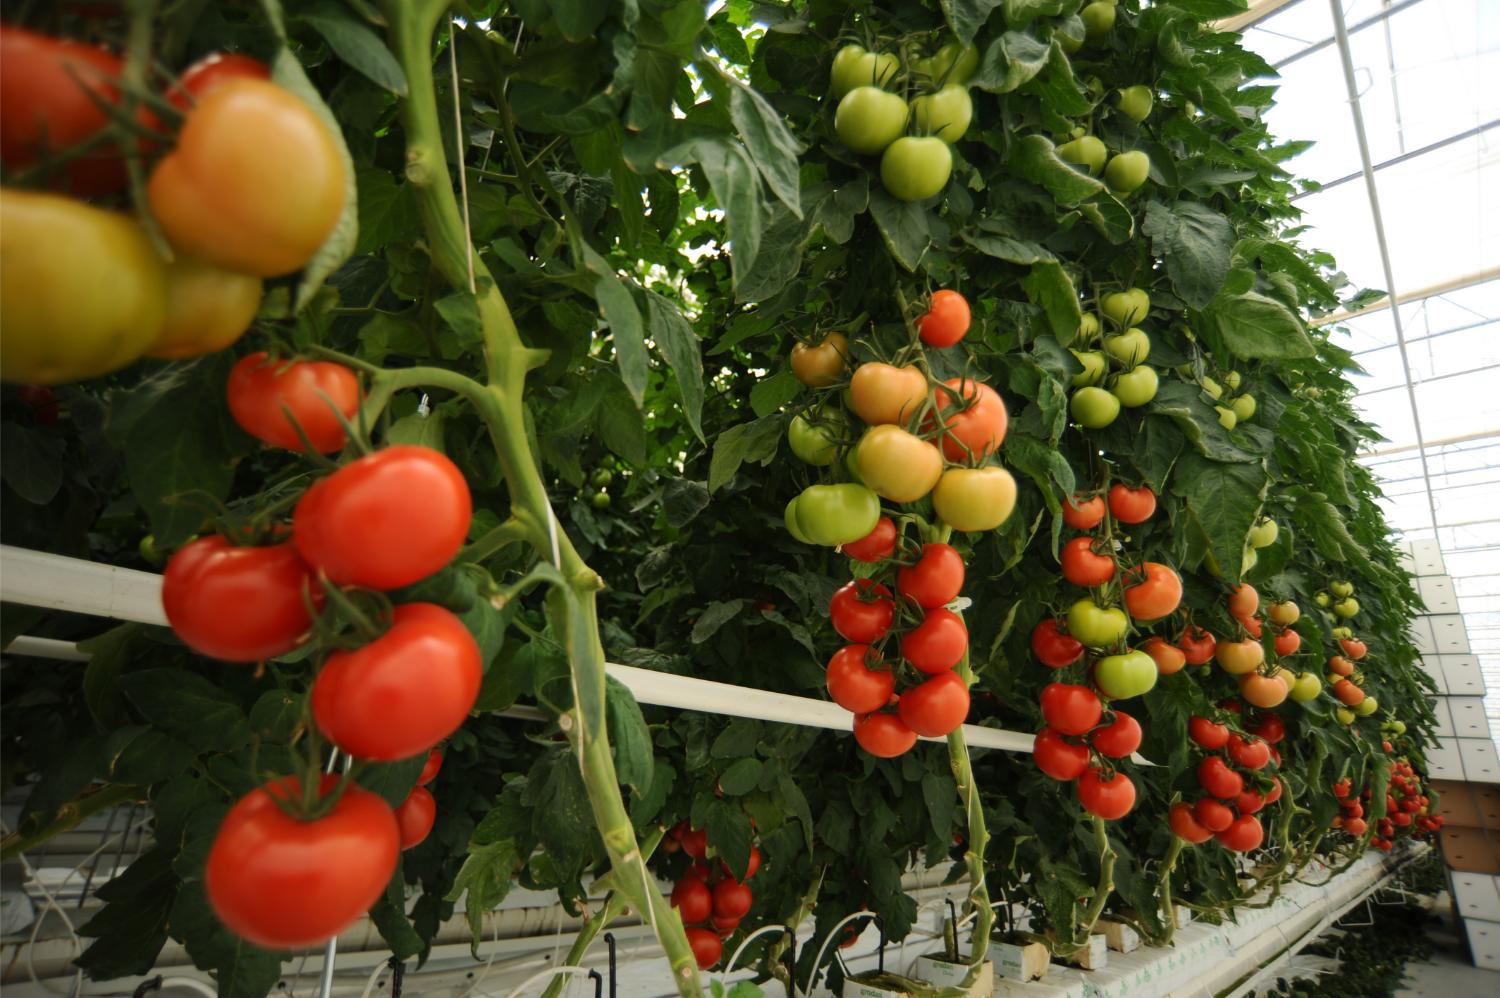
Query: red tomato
{"points": [[1354, 648], [975, 417], [937, 706], [405, 691], [732, 899], [694, 900], [862, 611], [270, 399], [1207, 734], [1274, 794], [754, 865], [1083, 514], [938, 643], [430, 768], [239, 604], [1107, 797], [725, 927], [1131, 505], [1156, 595], [1120, 738], [1341, 788], [1270, 727], [707, 947], [1349, 694], [1244, 600], [1215, 776], [415, 816], [1070, 709], [283, 883], [1287, 642], [1248, 802], [884, 736], [386, 520], [1252, 625], [1197, 645], [1212, 815], [1082, 566], [695, 844], [1185, 826], [1243, 835], [211, 72], [946, 320], [935, 580], [1169, 659], [1340, 666], [48, 89], [855, 686], [1057, 757], [1055, 649], [878, 545]]}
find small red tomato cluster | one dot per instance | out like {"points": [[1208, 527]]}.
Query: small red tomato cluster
{"points": [[394, 697], [1407, 808], [932, 639], [707, 895], [1234, 783]]}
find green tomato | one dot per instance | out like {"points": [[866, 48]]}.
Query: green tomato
{"points": [[1323, 600], [837, 514], [1342, 588], [1125, 308], [915, 169], [792, 526], [599, 500], [1248, 560], [149, 551], [1244, 407], [1232, 379], [1069, 43], [1088, 328], [815, 443], [869, 119], [1097, 626], [1121, 677], [602, 477], [954, 63], [1135, 102], [945, 114], [1344, 714], [854, 67], [851, 463], [1129, 348], [1098, 18], [1343, 633], [1306, 687], [1367, 706], [1087, 152], [1398, 727], [1214, 389], [1264, 533], [1346, 607], [1227, 418], [1127, 171], [1094, 368], [1136, 388], [1094, 408]]}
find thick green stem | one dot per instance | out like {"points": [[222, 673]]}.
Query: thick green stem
{"points": [[1106, 887], [975, 846], [69, 816], [498, 403], [1164, 894]]}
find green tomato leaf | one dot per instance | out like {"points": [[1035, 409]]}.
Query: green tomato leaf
{"points": [[1035, 158], [771, 145], [1225, 499], [628, 736], [903, 226], [1254, 327], [1196, 242], [966, 17], [353, 41], [1049, 287], [1010, 61], [678, 342]]}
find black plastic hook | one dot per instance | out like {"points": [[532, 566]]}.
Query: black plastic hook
{"points": [[609, 940], [398, 975], [598, 980], [952, 947], [154, 984]]}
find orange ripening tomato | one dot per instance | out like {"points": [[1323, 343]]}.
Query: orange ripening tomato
{"points": [[820, 365], [1168, 657], [975, 425], [256, 182], [1155, 596], [880, 393], [208, 308]]}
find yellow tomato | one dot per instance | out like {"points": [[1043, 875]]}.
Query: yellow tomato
{"points": [[897, 465], [208, 308], [971, 499]]}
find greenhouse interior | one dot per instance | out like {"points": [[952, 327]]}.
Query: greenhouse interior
{"points": [[866, 498]]}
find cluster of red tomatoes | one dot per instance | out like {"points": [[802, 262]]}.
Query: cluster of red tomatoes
{"points": [[708, 896], [1227, 810], [393, 690], [932, 640], [250, 186], [923, 438], [1074, 711], [1406, 808]]}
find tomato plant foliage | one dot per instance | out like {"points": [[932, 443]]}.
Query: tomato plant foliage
{"points": [[661, 202]]}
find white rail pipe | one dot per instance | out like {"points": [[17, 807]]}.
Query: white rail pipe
{"points": [[57, 582]]}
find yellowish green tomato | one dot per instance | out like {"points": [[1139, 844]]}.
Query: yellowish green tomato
{"points": [[916, 168], [1306, 687], [1088, 328], [1129, 348], [1098, 19], [1214, 389], [1344, 714], [1125, 308], [1323, 600], [945, 114], [1227, 418], [855, 67], [1244, 407], [1121, 677], [1232, 379], [1097, 626], [1343, 632], [835, 514], [1346, 607], [1135, 102], [814, 443], [1367, 706], [954, 63], [1342, 588], [1127, 171], [1264, 533], [1094, 408], [1136, 388], [1094, 368], [1086, 151], [868, 119]]}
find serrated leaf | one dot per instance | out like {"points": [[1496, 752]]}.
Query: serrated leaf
{"points": [[628, 736], [715, 616], [618, 309], [747, 442], [769, 394], [1255, 327], [677, 341], [741, 777], [1049, 287], [770, 144], [966, 17], [903, 226], [187, 706], [1196, 242], [356, 44], [1225, 498], [1017, 251], [1035, 158], [1010, 61]]}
